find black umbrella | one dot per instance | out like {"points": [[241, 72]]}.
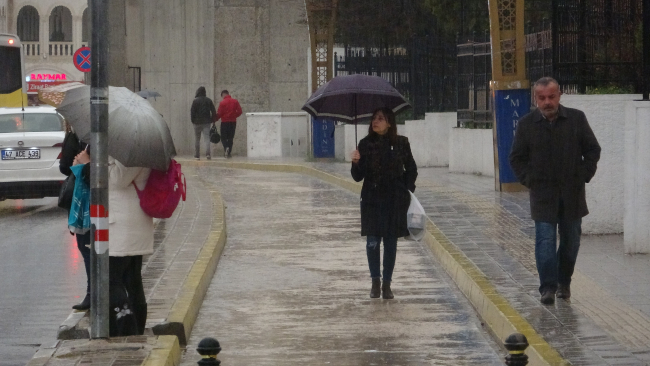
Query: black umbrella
{"points": [[354, 98]]}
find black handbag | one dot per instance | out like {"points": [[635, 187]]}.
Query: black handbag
{"points": [[214, 135], [65, 194]]}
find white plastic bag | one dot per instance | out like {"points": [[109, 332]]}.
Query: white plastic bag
{"points": [[416, 218]]}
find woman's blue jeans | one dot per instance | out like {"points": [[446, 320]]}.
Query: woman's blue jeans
{"points": [[390, 252], [555, 266]]}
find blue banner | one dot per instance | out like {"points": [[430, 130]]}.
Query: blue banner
{"points": [[509, 107], [323, 138]]}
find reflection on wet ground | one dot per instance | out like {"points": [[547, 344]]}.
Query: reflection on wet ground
{"points": [[605, 323], [41, 276], [292, 285]]}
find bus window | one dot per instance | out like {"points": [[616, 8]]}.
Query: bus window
{"points": [[11, 76]]}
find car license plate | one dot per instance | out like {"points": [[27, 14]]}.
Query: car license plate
{"points": [[21, 154]]}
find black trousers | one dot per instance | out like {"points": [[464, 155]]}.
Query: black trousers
{"points": [[227, 134], [125, 278]]}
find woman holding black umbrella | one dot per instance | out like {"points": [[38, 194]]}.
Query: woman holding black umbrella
{"points": [[385, 163]]}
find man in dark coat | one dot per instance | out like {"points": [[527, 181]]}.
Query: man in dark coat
{"points": [[202, 114], [554, 154]]}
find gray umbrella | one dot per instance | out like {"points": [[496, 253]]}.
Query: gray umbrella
{"points": [[148, 94], [137, 133]]}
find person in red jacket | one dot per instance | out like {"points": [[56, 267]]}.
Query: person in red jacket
{"points": [[229, 110]]}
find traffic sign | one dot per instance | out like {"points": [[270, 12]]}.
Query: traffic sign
{"points": [[81, 59]]}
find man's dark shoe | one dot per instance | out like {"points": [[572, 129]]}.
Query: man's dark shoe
{"points": [[375, 291], [386, 291], [84, 305], [564, 292], [548, 297]]}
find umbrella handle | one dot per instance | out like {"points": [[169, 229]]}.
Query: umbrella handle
{"points": [[356, 142]]}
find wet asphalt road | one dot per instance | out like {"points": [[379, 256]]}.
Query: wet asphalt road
{"points": [[41, 276]]}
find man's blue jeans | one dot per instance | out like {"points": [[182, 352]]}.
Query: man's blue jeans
{"points": [[555, 266], [390, 252]]}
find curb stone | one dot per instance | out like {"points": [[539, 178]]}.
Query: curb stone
{"points": [[501, 318]]}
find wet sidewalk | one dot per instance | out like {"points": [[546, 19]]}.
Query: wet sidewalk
{"points": [[607, 321], [292, 285]]}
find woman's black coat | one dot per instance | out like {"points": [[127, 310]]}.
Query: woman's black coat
{"points": [[71, 147], [555, 160], [387, 170]]}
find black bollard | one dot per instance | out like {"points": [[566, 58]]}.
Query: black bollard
{"points": [[209, 348], [516, 345]]}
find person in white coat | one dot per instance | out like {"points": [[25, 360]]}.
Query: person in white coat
{"points": [[130, 236]]}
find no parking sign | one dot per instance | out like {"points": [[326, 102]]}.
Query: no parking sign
{"points": [[81, 59]]}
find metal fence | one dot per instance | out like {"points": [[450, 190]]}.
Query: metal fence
{"points": [[473, 81], [424, 71], [596, 43]]}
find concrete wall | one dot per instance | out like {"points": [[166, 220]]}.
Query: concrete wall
{"points": [[471, 151], [637, 177], [260, 56], [172, 41], [429, 138], [605, 198], [344, 140]]}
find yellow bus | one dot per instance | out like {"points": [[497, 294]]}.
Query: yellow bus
{"points": [[13, 87]]}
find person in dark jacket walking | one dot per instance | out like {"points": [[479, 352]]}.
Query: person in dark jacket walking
{"points": [[202, 113], [384, 162], [229, 110], [554, 154], [72, 147]]}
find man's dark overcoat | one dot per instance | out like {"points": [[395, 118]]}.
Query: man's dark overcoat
{"points": [[387, 170], [555, 160]]}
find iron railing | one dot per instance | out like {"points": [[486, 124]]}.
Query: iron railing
{"points": [[424, 71], [595, 43], [473, 82]]}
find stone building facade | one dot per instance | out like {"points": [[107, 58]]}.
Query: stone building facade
{"points": [[256, 49]]}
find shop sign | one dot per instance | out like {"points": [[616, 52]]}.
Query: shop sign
{"points": [[51, 77], [35, 86]]}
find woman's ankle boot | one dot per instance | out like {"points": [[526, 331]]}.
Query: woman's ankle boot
{"points": [[386, 292], [375, 291], [84, 305]]}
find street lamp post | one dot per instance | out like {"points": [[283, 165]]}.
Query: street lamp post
{"points": [[99, 301]]}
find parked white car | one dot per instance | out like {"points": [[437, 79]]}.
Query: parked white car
{"points": [[30, 148]]}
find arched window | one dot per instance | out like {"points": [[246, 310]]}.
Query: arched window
{"points": [[27, 24], [85, 26], [61, 25]]}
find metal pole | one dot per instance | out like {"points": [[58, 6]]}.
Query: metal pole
{"points": [[646, 50], [99, 301]]}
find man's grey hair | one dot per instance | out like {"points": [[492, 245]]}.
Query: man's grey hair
{"points": [[545, 81]]}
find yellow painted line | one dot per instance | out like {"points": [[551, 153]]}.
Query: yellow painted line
{"points": [[494, 309]]}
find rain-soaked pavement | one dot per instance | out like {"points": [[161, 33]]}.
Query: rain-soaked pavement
{"points": [[292, 286], [41, 276]]}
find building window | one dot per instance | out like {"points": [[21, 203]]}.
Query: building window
{"points": [[61, 25], [85, 26], [27, 24]]}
